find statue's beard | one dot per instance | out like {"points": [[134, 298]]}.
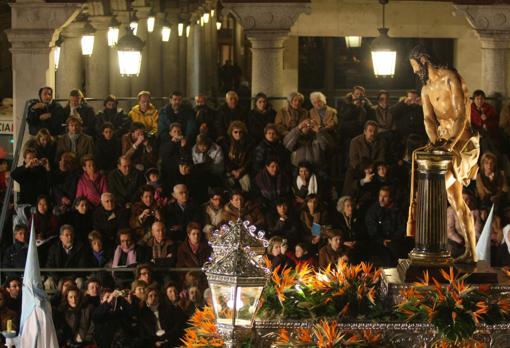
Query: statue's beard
{"points": [[423, 73]]}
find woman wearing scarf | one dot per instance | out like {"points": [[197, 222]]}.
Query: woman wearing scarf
{"points": [[92, 183], [305, 183], [237, 153], [127, 254], [347, 221], [195, 251]]}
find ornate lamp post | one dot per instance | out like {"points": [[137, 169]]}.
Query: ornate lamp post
{"points": [[236, 281], [384, 55], [353, 41]]}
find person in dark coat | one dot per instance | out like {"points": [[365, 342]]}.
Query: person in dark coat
{"points": [[259, 117], [78, 107], [107, 148], [284, 224], [108, 218], [270, 146], [227, 113], [180, 213], [124, 182], [80, 217], [115, 116], [15, 255], [46, 113], [45, 222], [174, 112], [333, 251], [386, 228], [66, 253], [237, 155], [33, 177], [271, 183], [172, 152], [13, 286], [75, 140], [194, 251], [205, 117], [64, 180], [275, 255], [44, 145]]}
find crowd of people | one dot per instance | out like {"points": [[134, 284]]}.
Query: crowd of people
{"points": [[142, 192]]}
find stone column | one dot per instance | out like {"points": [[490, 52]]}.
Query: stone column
{"points": [[213, 58], [154, 48], [182, 61], [97, 81], [31, 35], [267, 25], [195, 57], [171, 57], [70, 74], [492, 25]]}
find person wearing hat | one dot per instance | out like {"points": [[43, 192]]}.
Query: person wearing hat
{"points": [[78, 107], [45, 113], [113, 114], [145, 113]]}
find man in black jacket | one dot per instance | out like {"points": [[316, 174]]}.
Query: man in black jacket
{"points": [[66, 253], [180, 213], [33, 177], [124, 182], [46, 113], [108, 218], [15, 255], [78, 107]]}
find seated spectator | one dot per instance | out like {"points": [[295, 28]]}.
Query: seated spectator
{"points": [[485, 120], [195, 251], [205, 117], [114, 116], [236, 149], [283, 223], [58, 297], [454, 230], [64, 180], [275, 255], [66, 253], [174, 112], [91, 297], [15, 255], [306, 183], [108, 218], [307, 142], [271, 183], [259, 117], [270, 146], [355, 111], [172, 298], [163, 250], [322, 114], [144, 213], [72, 320], [239, 208], [139, 147], [228, 113], [291, 115], [213, 210], [491, 184], [180, 213], [46, 113], [145, 113], [124, 182], [153, 179], [386, 228], [364, 147], [78, 107], [80, 217], [333, 251], [13, 286], [144, 272], [313, 213], [208, 156], [160, 326], [301, 255], [408, 115], [353, 231], [172, 151], [107, 149], [44, 145], [74, 140], [99, 256], [45, 222], [6, 313], [92, 183], [33, 177], [384, 114], [127, 253]]}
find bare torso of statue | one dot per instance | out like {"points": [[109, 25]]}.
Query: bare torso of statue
{"points": [[446, 110]]}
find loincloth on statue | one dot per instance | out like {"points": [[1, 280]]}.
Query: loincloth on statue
{"points": [[465, 159]]}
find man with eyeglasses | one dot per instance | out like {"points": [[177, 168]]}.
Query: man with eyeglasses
{"points": [[108, 218]]}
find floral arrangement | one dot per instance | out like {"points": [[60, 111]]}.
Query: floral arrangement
{"points": [[203, 331], [454, 309], [344, 291]]}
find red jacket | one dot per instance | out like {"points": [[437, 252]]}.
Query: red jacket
{"points": [[490, 124]]}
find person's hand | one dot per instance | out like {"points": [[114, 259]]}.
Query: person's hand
{"points": [[174, 228], [236, 173], [45, 116], [39, 105], [183, 142], [157, 214], [146, 213], [484, 117], [314, 126], [350, 244], [316, 239], [65, 201], [46, 164], [139, 140], [369, 176], [304, 124], [387, 242], [283, 218]]}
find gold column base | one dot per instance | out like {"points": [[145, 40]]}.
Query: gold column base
{"points": [[440, 258]]}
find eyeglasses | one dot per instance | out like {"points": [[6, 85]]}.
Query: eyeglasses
{"points": [[144, 273], [237, 132]]}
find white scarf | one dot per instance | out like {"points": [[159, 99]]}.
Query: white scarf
{"points": [[506, 236], [312, 184]]}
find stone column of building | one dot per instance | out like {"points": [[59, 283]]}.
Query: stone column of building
{"points": [[193, 54], [31, 35], [182, 62], [267, 25], [171, 56], [492, 25], [213, 57], [70, 74], [154, 50], [97, 81]]}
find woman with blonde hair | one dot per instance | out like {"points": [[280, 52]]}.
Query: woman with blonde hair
{"points": [[491, 184], [44, 145], [321, 113], [292, 114], [236, 149]]}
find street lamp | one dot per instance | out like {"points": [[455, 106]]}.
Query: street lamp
{"points": [[212, 12], [206, 17], [57, 50], [353, 41], [180, 28], [133, 24], [236, 281], [384, 55], [218, 25], [129, 50], [113, 32], [87, 40], [188, 28], [165, 31], [151, 21]]}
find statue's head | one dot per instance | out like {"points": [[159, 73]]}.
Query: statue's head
{"points": [[420, 60]]}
